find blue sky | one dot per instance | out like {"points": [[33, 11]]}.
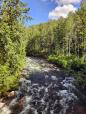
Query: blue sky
{"points": [[43, 10], [39, 10]]}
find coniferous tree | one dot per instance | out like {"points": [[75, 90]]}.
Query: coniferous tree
{"points": [[12, 41]]}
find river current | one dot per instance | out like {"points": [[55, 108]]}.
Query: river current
{"points": [[45, 89]]}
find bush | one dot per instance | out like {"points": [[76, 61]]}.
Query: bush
{"points": [[71, 64], [12, 55], [61, 61]]}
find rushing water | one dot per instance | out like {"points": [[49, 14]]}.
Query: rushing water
{"points": [[45, 89]]}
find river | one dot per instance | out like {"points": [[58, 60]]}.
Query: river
{"points": [[45, 89]]}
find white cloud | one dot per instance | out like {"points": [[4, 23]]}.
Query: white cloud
{"points": [[61, 11], [64, 2], [63, 8]]}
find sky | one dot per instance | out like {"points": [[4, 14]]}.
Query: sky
{"points": [[44, 10]]}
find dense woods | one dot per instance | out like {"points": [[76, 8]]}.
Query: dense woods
{"points": [[12, 42], [63, 42]]}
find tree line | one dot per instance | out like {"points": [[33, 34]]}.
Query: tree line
{"points": [[62, 41], [12, 42], [64, 36]]}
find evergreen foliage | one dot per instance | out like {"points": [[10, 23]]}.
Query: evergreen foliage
{"points": [[12, 42], [63, 42]]}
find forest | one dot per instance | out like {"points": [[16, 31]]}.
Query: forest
{"points": [[12, 42], [62, 42]]}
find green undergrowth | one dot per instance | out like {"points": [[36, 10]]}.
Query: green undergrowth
{"points": [[9, 76], [73, 65]]}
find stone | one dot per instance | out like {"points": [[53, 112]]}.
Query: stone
{"points": [[5, 110], [1, 105], [11, 94]]}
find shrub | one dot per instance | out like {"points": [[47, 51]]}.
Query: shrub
{"points": [[73, 65]]}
